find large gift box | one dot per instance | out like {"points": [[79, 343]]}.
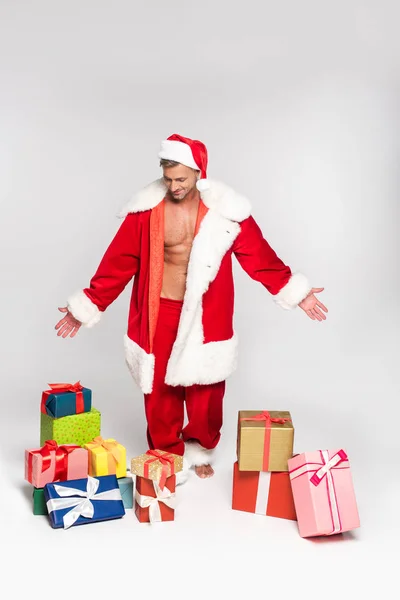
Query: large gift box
{"points": [[156, 465], [263, 493], [106, 457], [55, 463], [126, 488], [153, 504], [264, 440], [39, 503], [73, 429], [64, 399], [323, 493], [82, 501]]}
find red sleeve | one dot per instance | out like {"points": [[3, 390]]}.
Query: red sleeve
{"points": [[258, 259], [117, 267]]}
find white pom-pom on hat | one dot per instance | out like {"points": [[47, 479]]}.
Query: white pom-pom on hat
{"points": [[203, 185]]}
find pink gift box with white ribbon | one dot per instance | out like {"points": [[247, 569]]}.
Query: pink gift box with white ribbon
{"points": [[323, 493]]}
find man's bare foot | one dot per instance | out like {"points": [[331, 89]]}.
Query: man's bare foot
{"points": [[204, 471]]}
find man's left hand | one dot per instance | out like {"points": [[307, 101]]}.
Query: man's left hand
{"points": [[312, 306]]}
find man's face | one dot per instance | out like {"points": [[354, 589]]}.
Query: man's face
{"points": [[180, 180]]}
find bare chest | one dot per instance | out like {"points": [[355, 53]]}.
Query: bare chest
{"points": [[179, 227]]}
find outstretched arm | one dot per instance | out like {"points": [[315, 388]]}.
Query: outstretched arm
{"points": [[262, 264], [117, 267]]}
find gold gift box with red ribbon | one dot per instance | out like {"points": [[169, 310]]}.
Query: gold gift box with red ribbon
{"points": [[106, 457], [157, 465], [264, 440]]}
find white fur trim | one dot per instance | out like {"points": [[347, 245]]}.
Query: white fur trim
{"points": [[191, 360], [179, 152], [203, 364], [140, 364], [226, 201], [196, 455], [202, 185], [217, 196], [83, 309], [145, 199], [296, 289]]}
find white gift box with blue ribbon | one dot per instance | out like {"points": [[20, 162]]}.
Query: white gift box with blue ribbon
{"points": [[81, 501]]}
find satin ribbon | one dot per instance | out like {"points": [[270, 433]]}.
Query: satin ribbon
{"points": [[153, 503], [266, 417], [320, 471], [111, 448], [80, 507], [61, 455], [329, 464], [62, 388], [166, 460]]}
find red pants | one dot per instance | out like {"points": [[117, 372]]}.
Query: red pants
{"points": [[165, 405]]}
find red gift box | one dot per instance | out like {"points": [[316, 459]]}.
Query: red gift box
{"points": [[153, 504], [263, 493]]}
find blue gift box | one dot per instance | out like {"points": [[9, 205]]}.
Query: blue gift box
{"points": [[63, 403], [126, 487], [81, 501]]}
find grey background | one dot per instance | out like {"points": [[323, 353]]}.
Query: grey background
{"points": [[298, 105]]}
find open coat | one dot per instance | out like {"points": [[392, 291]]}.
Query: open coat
{"points": [[205, 350]]}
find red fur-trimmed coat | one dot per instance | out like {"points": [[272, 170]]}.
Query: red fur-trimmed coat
{"points": [[205, 350]]}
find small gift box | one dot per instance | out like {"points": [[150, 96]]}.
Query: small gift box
{"points": [[126, 488], [157, 465], [55, 463], [64, 399], [73, 429], [153, 504], [82, 501], [39, 503], [263, 493], [264, 440], [106, 457], [323, 493]]}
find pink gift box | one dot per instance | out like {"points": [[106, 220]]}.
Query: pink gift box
{"points": [[55, 463], [323, 493]]}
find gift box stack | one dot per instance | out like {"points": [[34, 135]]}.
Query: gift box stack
{"points": [[77, 476], [261, 481], [155, 483], [314, 488]]}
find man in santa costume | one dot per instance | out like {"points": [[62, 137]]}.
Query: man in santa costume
{"points": [[177, 239]]}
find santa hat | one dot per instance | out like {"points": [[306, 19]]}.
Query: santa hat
{"points": [[190, 153]]}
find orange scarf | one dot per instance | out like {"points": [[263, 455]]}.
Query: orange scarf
{"points": [[157, 260]]}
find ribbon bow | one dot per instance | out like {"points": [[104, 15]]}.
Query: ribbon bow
{"points": [[265, 416], [61, 453], [153, 504], [109, 445], [62, 388], [330, 464], [166, 460], [80, 507], [66, 387]]}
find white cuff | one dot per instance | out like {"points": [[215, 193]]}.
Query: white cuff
{"points": [[196, 455], [83, 309], [296, 289]]}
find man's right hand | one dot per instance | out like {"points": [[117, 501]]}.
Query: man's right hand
{"points": [[68, 324]]}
